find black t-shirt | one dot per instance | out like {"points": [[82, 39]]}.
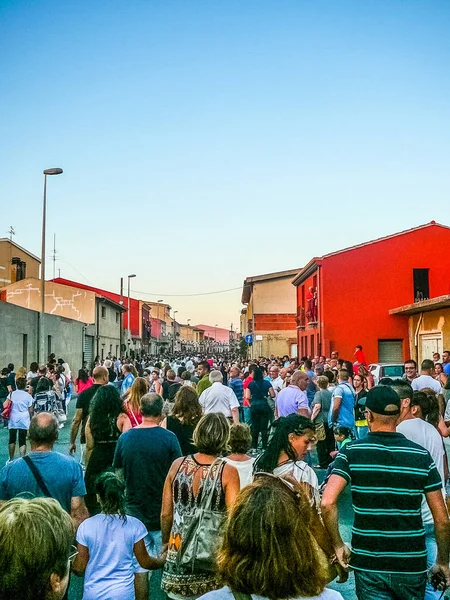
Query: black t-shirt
{"points": [[34, 383], [4, 387], [146, 455], [360, 405], [12, 380], [170, 388], [184, 434], [84, 402]]}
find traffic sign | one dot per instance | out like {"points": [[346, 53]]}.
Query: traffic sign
{"points": [[249, 339]]}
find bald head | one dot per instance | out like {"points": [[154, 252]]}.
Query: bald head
{"points": [[44, 428], [300, 379], [100, 375]]}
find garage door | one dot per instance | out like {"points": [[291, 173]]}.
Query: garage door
{"points": [[390, 351]]}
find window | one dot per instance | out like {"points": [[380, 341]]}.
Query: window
{"points": [[25, 349], [117, 351], [110, 348], [390, 351], [49, 344], [421, 284], [117, 317], [103, 312]]}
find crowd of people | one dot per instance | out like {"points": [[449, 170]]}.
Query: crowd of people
{"points": [[201, 471]]}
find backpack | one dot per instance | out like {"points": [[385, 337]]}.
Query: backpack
{"points": [[173, 389], [45, 402]]}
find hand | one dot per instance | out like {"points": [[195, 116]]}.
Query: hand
{"points": [[439, 577], [343, 556], [72, 448]]}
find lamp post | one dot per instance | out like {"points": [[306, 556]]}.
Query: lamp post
{"points": [[173, 337], [129, 330], [55, 171]]}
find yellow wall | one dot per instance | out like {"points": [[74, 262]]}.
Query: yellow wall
{"points": [[274, 297], [278, 343], [9, 251], [60, 300], [432, 322]]}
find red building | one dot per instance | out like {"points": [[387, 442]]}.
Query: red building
{"points": [[344, 298]]}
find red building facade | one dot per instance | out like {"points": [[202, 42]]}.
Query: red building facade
{"points": [[344, 298]]}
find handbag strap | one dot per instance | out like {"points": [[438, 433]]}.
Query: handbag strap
{"points": [[41, 483], [208, 490]]}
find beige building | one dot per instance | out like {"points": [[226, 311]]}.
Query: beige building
{"points": [[270, 313], [428, 326], [16, 263], [191, 338]]}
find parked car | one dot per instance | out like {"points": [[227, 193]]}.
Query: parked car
{"points": [[392, 370]]}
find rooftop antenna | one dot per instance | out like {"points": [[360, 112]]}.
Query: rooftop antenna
{"points": [[54, 255], [11, 232]]}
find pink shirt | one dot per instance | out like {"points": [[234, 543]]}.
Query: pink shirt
{"points": [[81, 385]]}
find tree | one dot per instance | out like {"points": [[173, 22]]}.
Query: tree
{"points": [[243, 348]]}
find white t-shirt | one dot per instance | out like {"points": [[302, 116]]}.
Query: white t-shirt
{"points": [[426, 381], [427, 436], [110, 570], [218, 398], [20, 416], [226, 594], [244, 468]]}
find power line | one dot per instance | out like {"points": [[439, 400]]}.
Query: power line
{"points": [[186, 295]]}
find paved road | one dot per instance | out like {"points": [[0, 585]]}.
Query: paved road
{"points": [[76, 589]]}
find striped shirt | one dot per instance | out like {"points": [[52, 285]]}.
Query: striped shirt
{"points": [[389, 475]]}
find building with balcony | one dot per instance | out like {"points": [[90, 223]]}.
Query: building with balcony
{"points": [[346, 297], [270, 313]]}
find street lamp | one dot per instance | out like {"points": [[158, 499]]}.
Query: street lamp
{"points": [[173, 332], [55, 171], [129, 330]]}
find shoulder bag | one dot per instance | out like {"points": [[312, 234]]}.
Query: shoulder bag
{"points": [[7, 408], [41, 483], [201, 535]]}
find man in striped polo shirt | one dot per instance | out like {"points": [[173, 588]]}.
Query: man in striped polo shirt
{"points": [[389, 476]]}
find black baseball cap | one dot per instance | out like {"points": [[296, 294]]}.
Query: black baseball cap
{"points": [[383, 400]]}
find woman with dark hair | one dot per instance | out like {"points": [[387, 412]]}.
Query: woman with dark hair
{"points": [[291, 441], [110, 544], [107, 420], [33, 372], [185, 415], [83, 381], [269, 549], [257, 394]]}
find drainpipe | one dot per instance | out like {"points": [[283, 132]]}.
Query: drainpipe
{"points": [[416, 336], [319, 313], [98, 331]]}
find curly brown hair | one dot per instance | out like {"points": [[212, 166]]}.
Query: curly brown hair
{"points": [[187, 407], [251, 558]]}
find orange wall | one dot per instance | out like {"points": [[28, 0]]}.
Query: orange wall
{"points": [[360, 286], [275, 322]]}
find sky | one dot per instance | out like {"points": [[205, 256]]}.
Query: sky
{"points": [[204, 141]]}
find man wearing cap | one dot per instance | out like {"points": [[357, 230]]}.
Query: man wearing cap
{"points": [[389, 475]]}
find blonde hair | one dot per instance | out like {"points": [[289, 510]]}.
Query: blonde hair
{"points": [[21, 372], [138, 388], [322, 382], [35, 540], [266, 533]]}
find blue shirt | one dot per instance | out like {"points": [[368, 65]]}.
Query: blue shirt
{"points": [[311, 389], [61, 474], [237, 386], [127, 383], [446, 367], [346, 415]]}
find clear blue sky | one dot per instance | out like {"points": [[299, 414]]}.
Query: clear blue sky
{"points": [[203, 141]]}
